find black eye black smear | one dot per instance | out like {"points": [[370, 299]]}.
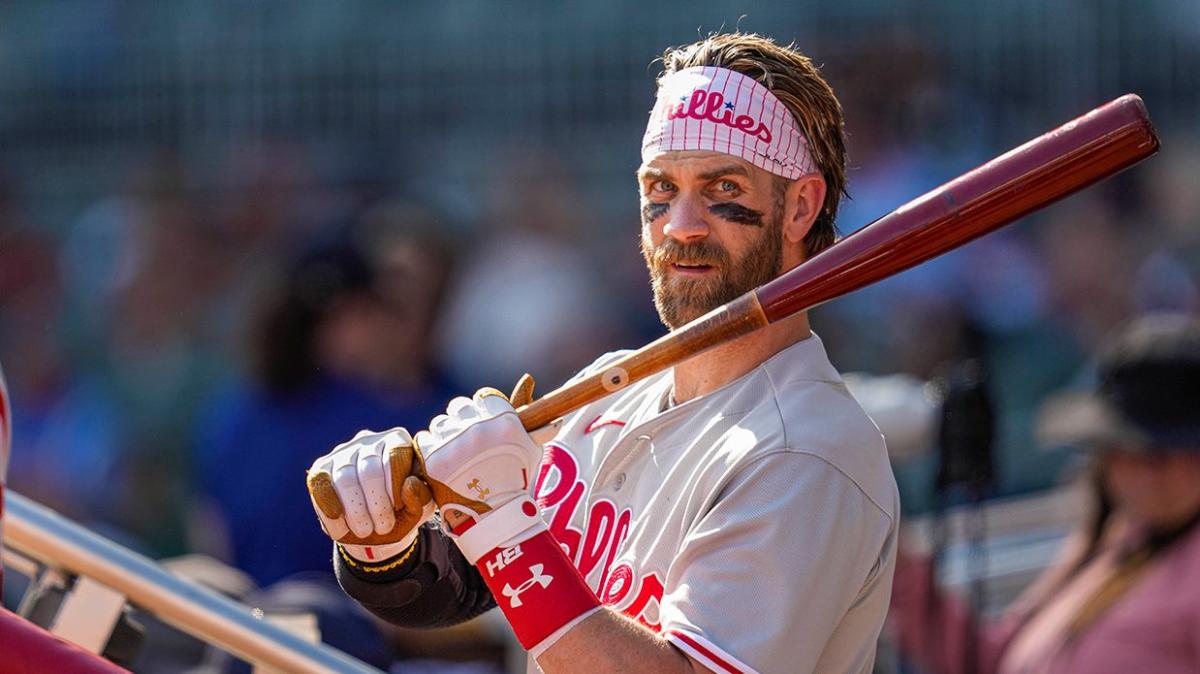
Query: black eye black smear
{"points": [[737, 213], [654, 211]]}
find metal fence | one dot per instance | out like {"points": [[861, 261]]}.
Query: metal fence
{"points": [[88, 87]]}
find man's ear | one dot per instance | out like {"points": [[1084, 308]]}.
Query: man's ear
{"points": [[802, 203]]}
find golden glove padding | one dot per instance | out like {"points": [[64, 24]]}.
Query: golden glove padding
{"points": [[408, 490]]}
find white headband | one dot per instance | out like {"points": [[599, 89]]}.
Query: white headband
{"points": [[707, 108]]}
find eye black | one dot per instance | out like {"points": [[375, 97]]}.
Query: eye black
{"points": [[738, 213], [653, 211]]}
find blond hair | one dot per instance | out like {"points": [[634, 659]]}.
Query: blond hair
{"points": [[795, 81]]}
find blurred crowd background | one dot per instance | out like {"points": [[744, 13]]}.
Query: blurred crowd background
{"points": [[233, 233]]}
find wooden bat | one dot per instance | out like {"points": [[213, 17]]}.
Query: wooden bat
{"points": [[1056, 164]]}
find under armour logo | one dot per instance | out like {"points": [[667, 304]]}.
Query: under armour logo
{"points": [[475, 487], [538, 578]]}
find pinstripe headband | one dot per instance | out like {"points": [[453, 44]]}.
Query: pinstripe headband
{"points": [[707, 108]]}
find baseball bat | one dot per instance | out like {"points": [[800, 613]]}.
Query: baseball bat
{"points": [[1054, 165]]}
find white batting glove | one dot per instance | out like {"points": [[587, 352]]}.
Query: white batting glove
{"points": [[481, 463], [369, 496]]}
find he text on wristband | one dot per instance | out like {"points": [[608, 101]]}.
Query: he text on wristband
{"points": [[537, 578]]}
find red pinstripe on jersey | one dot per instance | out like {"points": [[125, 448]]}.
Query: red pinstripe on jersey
{"points": [[709, 654]]}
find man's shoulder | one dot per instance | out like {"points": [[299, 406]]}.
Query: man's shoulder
{"points": [[797, 399], [809, 413], [822, 419]]}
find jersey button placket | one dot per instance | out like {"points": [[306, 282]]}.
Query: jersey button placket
{"points": [[641, 447], [614, 471]]}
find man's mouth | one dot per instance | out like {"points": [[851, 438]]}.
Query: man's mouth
{"points": [[691, 268]]}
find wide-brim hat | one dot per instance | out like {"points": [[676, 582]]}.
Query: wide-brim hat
{"points": [[1147, 392]]}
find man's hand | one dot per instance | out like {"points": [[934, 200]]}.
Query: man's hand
{"points": [[478, 457], [369, 495]]}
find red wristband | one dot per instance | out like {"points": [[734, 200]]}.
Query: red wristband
{"points": [[537, 587]]}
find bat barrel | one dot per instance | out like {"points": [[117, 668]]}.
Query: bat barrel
{"points": [[1054, 165]]}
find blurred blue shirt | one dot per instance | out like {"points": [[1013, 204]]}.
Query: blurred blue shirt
{"points": [[254, 449]]}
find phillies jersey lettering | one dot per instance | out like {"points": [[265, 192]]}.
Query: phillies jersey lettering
{"points": [[640, 604], [593, 544], [598, 542], [753, 527]]}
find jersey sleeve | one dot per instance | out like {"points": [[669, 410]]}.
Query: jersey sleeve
{"points": [[791, 568]]}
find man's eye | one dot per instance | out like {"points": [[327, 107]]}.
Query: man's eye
{"points": [[662, 186], [727, 186]]}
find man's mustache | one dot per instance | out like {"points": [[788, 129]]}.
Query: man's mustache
{"points": [[698, 252]]}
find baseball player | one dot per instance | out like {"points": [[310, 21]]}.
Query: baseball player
{"points": [[736, 513]]}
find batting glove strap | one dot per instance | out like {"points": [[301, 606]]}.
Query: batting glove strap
{"points": [[500, 528], [538, 588], [377, 558]]}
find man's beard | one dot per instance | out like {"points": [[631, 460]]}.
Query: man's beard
{"points": [[680, 299]]}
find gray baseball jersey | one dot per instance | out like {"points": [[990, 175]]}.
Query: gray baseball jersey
{"points": [[755, 527]]}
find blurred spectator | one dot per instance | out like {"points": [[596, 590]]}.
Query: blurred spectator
{"points": [[1088, 259], [1126, 595], [65, 429], [140, 269], [266, 199], [321, 372], [1169, 276], [412, 253], [529, 299]]}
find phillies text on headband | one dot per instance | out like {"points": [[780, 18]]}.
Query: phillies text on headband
{"points": [[708, 108]]}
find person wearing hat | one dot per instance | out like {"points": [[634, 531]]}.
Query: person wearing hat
{"points": [[1126, 595]]}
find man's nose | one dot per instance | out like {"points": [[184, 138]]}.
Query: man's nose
{"points": [[687, 219]]}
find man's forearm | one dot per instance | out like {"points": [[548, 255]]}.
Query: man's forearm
{"points": [[435, 588], [607, 641]]}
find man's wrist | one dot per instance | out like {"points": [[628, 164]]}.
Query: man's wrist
{"points": [[533, 581], [500, 527], [538, 588], [379, 562]]}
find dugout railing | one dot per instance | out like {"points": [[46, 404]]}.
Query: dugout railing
{"points": [[101, 577]]}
